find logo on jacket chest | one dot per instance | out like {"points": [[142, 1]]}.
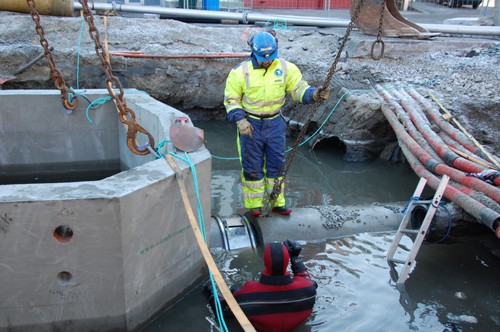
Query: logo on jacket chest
{"points": [[278, 72]]}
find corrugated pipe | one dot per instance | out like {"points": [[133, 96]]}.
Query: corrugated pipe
{"points": [[449, 156], [248, 17], [483, 214], [446, 126], [413, 131], [436, 167], [420, 142], [460, 150]]}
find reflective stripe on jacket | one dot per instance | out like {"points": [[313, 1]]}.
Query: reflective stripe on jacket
{"points": [[262, 91]]}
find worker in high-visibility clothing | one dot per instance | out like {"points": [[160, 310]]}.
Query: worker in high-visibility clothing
{"points": [[254, 94]]}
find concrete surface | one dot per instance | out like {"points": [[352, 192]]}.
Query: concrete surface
{"points": [[92, 255]]}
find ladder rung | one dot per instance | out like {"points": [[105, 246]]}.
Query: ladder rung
{"points": [[417, 242], [427, 201], [399, 261], [410, 231]]}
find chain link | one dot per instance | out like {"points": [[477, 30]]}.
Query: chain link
{"points": [[55, 75], [278, 181], [379, 35], [126, 115]]}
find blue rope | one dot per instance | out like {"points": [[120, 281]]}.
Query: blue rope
{"points": [[96, 104], [413, 198], [225, 158], [276, 24]]}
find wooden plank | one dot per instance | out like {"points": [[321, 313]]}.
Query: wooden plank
{"points": [[219, 280]]}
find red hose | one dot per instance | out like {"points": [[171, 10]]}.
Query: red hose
{"points": [[133, 54], [450, 157], [434, 166], [483, 214]]}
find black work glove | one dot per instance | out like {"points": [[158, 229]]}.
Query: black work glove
{"points": [[294, 248]]}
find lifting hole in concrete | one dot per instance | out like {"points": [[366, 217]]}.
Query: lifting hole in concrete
{"points": [[64, 278], [63, 234]]}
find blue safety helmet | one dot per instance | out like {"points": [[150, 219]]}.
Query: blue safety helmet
{"points": [[264, 47]]}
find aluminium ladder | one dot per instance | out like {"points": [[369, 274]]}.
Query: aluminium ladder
{"points": [[420, 233]]}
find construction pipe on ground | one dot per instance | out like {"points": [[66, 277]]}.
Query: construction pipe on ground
{"points": [[306, 224], [413, 131], [466, 141], [470, 165], [449, 156], [422, 143], [463, 152], [446, 126], [249, 17], [483, 214], [436, 167], [332, 221]]}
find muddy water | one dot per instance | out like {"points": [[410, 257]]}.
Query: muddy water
{"points": [[315, 177], [452, 288]]}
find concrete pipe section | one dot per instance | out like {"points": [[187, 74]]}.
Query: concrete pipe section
{"points": [[104, 243], [307, 224], [334, 221]]}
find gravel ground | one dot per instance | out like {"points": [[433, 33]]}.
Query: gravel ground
{"points": [[464, 80]]}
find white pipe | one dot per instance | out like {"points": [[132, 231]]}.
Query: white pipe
{"points": [[463, 29], [247, 17], [244, 17]]}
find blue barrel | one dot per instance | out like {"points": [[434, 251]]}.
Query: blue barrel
{"points": [[210, 5]]}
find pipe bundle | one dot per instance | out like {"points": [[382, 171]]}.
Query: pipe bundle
{"points": [[433, 147]]}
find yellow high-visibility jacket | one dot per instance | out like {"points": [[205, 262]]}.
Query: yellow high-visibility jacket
{"points": [[261, 91]]}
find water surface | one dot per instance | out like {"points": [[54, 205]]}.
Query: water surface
{"points": [[315, 177], [452, 288]]}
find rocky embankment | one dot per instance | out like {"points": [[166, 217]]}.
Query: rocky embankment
{"points": [[462, 71]]}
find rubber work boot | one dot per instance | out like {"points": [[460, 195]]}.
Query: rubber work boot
{"points": [[256, 212], [283, 210]]}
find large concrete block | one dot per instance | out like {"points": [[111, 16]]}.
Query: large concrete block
{"points": [[92, 254]]}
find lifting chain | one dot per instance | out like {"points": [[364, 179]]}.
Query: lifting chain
{"points": [[379, 34], [55, 75], [126, 115], [278, 181]]}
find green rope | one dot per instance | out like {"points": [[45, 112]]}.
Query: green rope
{"points": [[95, 105], [201, 223], [277, 24]]}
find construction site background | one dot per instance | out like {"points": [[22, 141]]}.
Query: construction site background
{"points": [[421, 11]]}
